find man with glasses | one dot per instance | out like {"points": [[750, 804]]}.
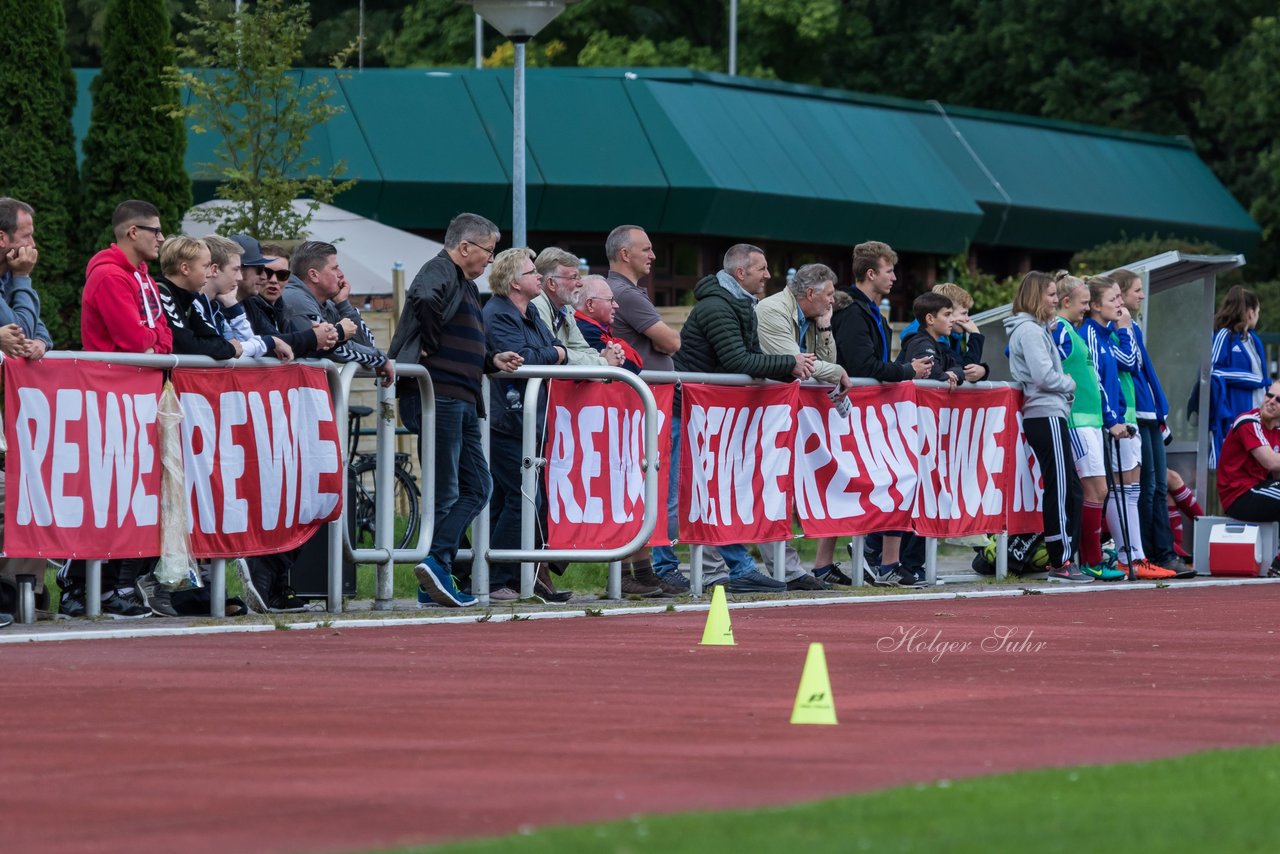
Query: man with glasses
{"points": [[594, 316], [561, 294], [121, 312], [442, 328], [262, 282]]}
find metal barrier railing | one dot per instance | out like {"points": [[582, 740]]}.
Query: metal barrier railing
{"points": [[339, 383], [532, 463], [384, 555]]}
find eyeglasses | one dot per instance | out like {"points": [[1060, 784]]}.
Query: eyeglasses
{"points": [[278, 275], [533, 272], [612, 301], [486, 249], [154, 229], [576, 277]]}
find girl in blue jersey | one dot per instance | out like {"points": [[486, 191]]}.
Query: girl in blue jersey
{"points": [[1240, 373], [1151, 408], [1107, 345]]}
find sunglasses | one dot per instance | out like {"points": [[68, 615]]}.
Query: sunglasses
{"points": [[278, 275]]}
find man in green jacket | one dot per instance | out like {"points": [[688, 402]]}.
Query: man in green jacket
{"points": [[720, 337]]}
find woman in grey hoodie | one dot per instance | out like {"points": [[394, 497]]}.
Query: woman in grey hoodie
{"points": [[1046, 402]]}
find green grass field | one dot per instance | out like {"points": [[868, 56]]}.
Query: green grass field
{"points": [[1220, 801]]}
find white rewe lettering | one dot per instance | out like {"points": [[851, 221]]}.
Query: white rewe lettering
{"points": [[561, 497], [31, 430]]}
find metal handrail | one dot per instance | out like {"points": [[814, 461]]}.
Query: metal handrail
{"points": [[169, 361], [533, 461]]}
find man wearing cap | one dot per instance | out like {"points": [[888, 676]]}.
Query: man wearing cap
{"points": [[266, 316]]}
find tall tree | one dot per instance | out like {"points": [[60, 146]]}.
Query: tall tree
{"points": [[136, 143], [37, 151], [243, 90]]}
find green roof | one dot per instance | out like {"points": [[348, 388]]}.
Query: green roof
{"points": [[684, 152]]}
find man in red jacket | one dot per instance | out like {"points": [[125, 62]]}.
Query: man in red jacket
{"points": [[121, 313], [120, 309]]}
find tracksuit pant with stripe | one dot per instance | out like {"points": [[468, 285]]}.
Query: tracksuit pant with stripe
{"points": [[1260, 504], [1063, 496]]}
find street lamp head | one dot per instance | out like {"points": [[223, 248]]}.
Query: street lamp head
{"points": [[519, 20]]}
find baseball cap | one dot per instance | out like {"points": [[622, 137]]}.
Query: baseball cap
{"points": [[252, 251]]}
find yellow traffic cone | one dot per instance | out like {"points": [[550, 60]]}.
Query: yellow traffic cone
{"points": [[719, 632], [814, 703]]}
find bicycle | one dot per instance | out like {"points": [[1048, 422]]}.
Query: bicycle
{"points": [[362, 490]]}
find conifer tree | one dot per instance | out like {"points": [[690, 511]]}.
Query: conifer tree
{"points": [[37, 151], [136, 144]]}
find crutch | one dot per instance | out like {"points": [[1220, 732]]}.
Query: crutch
{"points": [[1115, 486]]}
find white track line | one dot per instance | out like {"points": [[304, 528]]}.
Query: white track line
{"points": [[14, 633]]}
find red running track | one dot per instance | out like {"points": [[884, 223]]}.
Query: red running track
{"points": [[339, 740]]}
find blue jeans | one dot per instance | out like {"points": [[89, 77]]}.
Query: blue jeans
{"points": [[463, 484], [664, 557], [1157, 538]]}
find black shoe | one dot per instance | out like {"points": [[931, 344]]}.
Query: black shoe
{"points": [[898, 575], [807, 582], [1174, 564], [6, 620], [756, 582], [120, 607], [674, 581], [832, 574], [543, 587], [72, 603], [155, 596], [284, 601]]}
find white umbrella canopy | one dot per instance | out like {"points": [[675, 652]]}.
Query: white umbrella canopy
{"points": [[367, 250]]}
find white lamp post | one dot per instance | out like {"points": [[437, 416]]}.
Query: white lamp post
{"points": [[518, 20]]}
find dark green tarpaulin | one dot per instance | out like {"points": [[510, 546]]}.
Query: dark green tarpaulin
{"points": [[690, 153]]}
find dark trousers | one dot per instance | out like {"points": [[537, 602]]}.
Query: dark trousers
{"points": [[507, 505], [1157, 536], [1063, 496], [117, 574], [270, 573], [1260, 504]]}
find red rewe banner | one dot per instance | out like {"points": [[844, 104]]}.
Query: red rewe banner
{"points": [[966, 463], [262, 460], [1026, 487], [856, 473], [260, 452], [735, 463], [595, 480], [83, 465]]}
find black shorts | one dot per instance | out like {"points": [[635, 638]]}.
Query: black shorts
{"points": [[1260, 504]]}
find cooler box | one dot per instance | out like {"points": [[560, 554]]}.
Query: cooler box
{"points": [[1235, 548], [1212, 527]]}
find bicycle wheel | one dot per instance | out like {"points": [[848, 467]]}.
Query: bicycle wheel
{"points": [[364, 493]]}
